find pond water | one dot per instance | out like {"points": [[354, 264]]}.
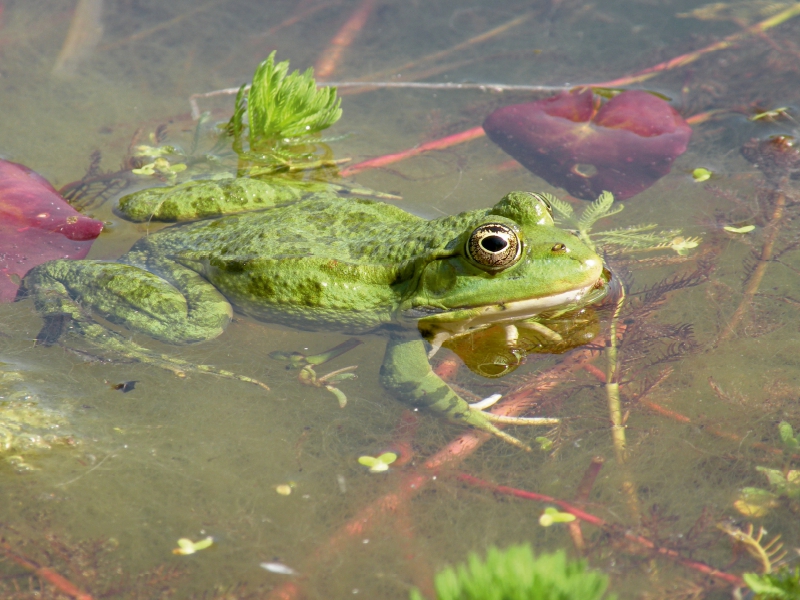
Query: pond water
{"points": [[708, 359]]}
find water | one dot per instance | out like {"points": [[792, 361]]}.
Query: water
{"points": [[131, 473]]}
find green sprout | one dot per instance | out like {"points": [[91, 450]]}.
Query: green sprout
{"points": [[378, 464], [744, 229], [544, 443], [516, 574], [308, 376], [700, 174], [281, 109], [551, 516], [187, 546]]}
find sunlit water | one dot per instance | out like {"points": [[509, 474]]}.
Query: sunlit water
{"points": [[202, 456]]}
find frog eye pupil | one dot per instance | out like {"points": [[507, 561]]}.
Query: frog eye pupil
{"points": [[494, 246], [493, 243]]}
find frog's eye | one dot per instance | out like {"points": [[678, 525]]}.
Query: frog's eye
{"points": [[494, 246]]}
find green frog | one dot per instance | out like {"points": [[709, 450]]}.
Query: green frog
{"points": [[318, 258]]}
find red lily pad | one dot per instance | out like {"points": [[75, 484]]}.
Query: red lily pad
{"points": [[36, 225], [577, 142]]}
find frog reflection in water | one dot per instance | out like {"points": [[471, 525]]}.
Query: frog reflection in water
{"points": [[318, 260]]}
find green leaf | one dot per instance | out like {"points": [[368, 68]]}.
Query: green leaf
{"points": [[368, 461], [552, 515], [700, 174], [597, 210], [387, 458], [745, 229], [562, 208]]}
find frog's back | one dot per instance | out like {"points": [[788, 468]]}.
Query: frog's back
{"points": [[351, 230], [322, 262]]}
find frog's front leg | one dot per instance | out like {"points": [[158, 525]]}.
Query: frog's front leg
{"points": [[183, 310], [408, 374]]}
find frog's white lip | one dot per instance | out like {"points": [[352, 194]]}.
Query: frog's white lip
{"points": [[524, 309]]}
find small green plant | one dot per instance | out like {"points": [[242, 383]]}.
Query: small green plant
{"points": [[515, 574], [281, 110], [783, 585]]}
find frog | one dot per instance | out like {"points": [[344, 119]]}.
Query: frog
{"points": [[324, 259]]}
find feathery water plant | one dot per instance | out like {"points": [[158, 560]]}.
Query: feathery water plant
{"points": [[282, 109], [639, 238], [783, 585], [515, 574]]}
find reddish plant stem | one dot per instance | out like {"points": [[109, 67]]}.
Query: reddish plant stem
{"points": [[598, 522], [440, 144], [61, 583], [581, 496], [329, 59], [690, 57], [454, 140], [764, 258], [676, 416], [403, 437]]}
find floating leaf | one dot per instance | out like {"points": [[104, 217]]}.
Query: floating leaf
{"points": [[552, 515], [378, 464], [187, 546], [576, 141], [701, 174], [745, 229], [279, 568], [284, 489], [36, 225]]}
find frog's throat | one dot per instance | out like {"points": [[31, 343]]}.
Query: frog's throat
{"points": [[440, 327]]}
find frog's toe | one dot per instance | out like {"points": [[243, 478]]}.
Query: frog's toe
{"points": [[491, 418]]}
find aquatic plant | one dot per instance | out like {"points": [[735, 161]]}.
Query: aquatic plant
{"points": [[281, 110], [637, 238], [783, 585], [767, 553], [516, 574]]}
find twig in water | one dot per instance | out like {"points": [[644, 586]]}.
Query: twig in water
{"points": [[329, 60], [85, 32]]}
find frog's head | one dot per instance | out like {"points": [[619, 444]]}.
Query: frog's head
{"points": [[510, 263]]}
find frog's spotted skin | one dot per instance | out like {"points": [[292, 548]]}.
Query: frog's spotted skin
{"points": [[321, 261]]}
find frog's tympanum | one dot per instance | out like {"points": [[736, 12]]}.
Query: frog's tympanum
{"points": [[321, 260]]}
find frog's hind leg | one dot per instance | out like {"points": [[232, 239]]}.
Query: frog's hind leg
{"points": [[67, 292]]}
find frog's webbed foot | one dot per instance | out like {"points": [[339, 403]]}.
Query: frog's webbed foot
{"points": [[480, 408]]}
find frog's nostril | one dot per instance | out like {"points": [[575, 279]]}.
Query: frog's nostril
{"points": [[559, 248], [494, 243]]}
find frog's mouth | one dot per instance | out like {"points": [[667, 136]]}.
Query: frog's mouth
{"points": [[439, 327]]}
